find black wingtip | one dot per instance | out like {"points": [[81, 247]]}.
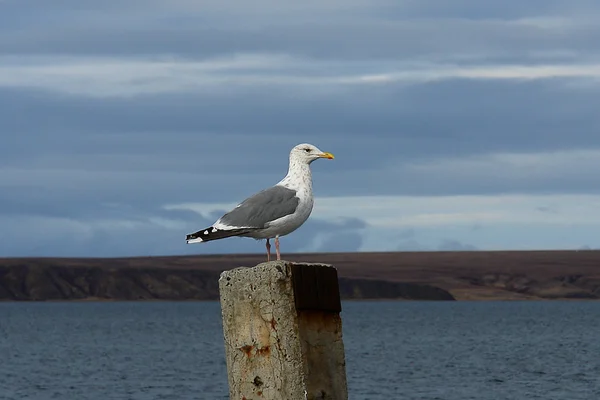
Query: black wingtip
{"points": [[212, 233], [191, 236]]}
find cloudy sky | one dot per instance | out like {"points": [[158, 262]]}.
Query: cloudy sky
{"points": [[465, 124]]}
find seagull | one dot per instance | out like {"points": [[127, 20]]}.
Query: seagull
{"points": [[273, 212]]}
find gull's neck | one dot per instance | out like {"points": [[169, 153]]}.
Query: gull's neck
{"points": [[299, 176]]}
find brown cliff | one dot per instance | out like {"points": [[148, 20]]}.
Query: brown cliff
{"points": [[470, 275], [53, 281]]}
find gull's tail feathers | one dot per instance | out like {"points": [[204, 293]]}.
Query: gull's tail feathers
{"points": [[212, 233]]}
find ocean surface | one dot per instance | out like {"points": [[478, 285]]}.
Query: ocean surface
{"points": [[394, 350]]}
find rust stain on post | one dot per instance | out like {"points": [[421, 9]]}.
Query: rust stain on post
{"points": [[263, 351], [247, 350]]}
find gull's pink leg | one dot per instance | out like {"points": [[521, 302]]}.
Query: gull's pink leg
{"points": [[277, 247], [268, 250]]}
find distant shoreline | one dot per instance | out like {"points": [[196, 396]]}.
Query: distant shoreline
{"points": [[460, 275]]}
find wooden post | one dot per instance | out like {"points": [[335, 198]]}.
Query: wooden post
{"points": [[283, 332]]}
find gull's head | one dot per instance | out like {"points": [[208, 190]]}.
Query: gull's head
{"points": [[308, 153]]}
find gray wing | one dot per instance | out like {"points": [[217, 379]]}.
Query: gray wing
{"points": [[263, 207]]}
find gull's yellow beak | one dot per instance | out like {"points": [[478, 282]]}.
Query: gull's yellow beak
{"points": [[328, 156]]}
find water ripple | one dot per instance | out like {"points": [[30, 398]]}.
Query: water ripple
{"points": [[394, 350]]}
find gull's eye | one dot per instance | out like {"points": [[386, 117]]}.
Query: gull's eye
{"points": [[307, 150]]}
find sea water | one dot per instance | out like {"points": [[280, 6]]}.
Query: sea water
{"points": [[394, 350]]}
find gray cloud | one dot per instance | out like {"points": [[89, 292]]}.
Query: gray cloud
{"points": [[455, 245], [68, 153], [123, 231], [378, 29], [413, 122], [410, 245], [93, 159], [407, 234], [341, 242]]}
